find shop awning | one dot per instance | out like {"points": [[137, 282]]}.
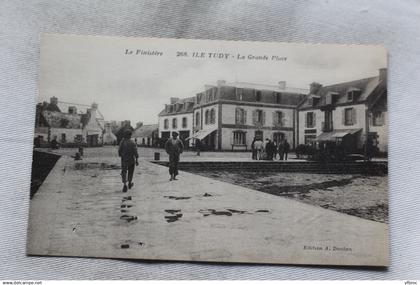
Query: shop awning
{"points": [[201, 134], [332, 136]]}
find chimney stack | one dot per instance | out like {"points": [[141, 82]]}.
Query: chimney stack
{"points": [[174, 100], [54, 100], [314, 87], [282, 85]]}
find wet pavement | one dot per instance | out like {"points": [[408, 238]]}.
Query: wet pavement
{"points": [[80, 210]]}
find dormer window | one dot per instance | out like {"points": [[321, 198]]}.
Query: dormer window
{"points": [[353, 94], [239, 94], [277, 97], [258, 96]]}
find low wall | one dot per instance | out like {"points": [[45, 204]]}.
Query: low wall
{"points": [[42, 163], [365, 168]]}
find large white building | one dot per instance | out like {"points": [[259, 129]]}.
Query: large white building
{"points": [[228, 116]]}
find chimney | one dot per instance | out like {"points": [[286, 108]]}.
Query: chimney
{"points": [[174, 100], [92, 110], [314, 87], [72, 110], [139, 124], [383, 74], [221, 83], [54, 100], [282, 85]]}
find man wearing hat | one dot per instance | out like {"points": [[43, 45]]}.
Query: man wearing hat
{"points": [[174, 148], [129, 158]]}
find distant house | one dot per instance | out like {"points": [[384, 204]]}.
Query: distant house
{"points": [[68, 128], [350, 113], [146, 135], [109, 138], [177, 116]]}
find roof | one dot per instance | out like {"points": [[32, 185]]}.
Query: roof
{"points": [[185, 105], [366, 86], [275, 88], [145, 131], [63, 120]]}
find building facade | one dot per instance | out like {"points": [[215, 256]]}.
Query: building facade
{"points": [[229, 116], [350, 113], [177, 116], [68, 127]]}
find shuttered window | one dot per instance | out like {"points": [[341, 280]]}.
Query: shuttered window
{"points": [[212, 116], [240, 116], [310, 120], [166, 124], [349, 116]]}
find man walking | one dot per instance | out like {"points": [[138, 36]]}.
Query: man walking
{"points": [[129, 159], [174, 147]]}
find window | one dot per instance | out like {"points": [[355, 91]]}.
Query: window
{"points": [[310, 120], [212, 116], [239, 94], [349, 116], [258, 96], [197, 118], [166, 124], [174, 123], [350, 96], [278, 118], [240, 116], [239, 138], [259, 116], [63, 138], [207, 117], [378, 118], [184, 122], [277, 97]]}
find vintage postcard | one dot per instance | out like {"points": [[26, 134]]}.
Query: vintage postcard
{"points": [[215, 151]]}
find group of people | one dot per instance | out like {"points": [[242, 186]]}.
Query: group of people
{"points": [[268, 149], [127, 150]]}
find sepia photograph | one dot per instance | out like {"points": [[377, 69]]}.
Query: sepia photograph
{"points": [[210, 151]]}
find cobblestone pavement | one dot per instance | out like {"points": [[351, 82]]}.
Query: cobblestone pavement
{"points": [[80, 210]]}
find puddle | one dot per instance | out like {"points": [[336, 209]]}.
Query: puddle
{"points": [[236, 211], [128, 218], [171, 219], [207, 195], [177, 198], [125, 246], [262, 211], [172, 211], [209, 212], [94, 165], [127, 198]]}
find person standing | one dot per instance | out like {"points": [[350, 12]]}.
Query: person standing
{"points": [[129, 159], [258, 144], [174, 148], [198, 146], [254, 151], [281, 150], [286, 149]]}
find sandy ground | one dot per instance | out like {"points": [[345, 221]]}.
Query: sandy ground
{"points": [[361, 196]]}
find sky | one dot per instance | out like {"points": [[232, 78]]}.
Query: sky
{"points": [[135, 87]]}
